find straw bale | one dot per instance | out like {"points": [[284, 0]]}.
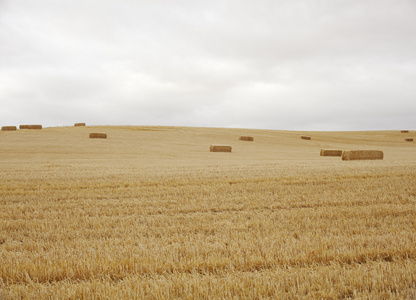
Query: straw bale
{"points": [[213, 148], [404, 131], [362, 154], [79, 124], [24, 126], [96, 135], [303, 137], [8, 128], [408, 140], [35, 126], [246, 138], [326, 152]]}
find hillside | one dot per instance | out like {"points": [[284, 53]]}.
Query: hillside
{"points": [[143, 146], [150, 213]]}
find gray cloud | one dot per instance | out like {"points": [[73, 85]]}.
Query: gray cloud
{"points": [[319, 65]]}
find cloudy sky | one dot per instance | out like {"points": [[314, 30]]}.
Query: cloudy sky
{"points": [[270, 64]]}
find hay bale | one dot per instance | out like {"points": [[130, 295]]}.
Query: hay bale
{"points": [[8, 128], [362, 154], [408, 140], [404, 131], [303, 137], [326, 152], [79, 124], [96, 135], [30, 127], [246, 138], [220, 148]]}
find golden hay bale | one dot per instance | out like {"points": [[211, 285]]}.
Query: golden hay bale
{"points": [[303, 137], [8, 128], [220, 148], [408, 140], [35, 126], [98, 135], [79, 124], [24, 126], [404, 131], [326, 152], [362, 154], [246, 138]]}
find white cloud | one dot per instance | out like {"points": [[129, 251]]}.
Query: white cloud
{"points": [[300, 64]]}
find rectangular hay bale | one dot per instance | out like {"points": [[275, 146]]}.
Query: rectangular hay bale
{"points": [[79, 124], [96, 135], [8, 128], [24, 126], [362, 155], [408, 140], [304, 137], [213, 148], [327, 152], [35, 127], [246, 138], [404, 131]]}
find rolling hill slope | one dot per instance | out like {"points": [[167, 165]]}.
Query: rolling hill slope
{"points": [[150, 213]]}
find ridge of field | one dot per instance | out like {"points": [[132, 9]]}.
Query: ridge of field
{"points": [[150, 213], [160, 146]]}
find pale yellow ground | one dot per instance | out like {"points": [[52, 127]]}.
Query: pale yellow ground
{"points": [[138, 150], [149, 212]]}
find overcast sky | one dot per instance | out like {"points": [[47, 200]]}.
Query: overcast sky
{"points": [[268, 64]]}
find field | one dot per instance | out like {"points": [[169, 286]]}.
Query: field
{"points": [[150, 213]]}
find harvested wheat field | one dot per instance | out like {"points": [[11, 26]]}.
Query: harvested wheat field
{"points": [[151, 214]]}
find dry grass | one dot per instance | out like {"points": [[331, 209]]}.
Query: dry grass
{"points": [[96, 135], [362, 154], [151, 214], [327, 152]]}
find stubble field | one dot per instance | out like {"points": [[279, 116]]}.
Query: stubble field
{"points": [[150, 213]]}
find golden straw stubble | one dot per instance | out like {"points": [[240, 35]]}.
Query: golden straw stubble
{"points": [[136, 217], [327, 152], [96, 135], [214, 148], [362, 154]]}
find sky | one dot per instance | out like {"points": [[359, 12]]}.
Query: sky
{"points": [[264, 64]]}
